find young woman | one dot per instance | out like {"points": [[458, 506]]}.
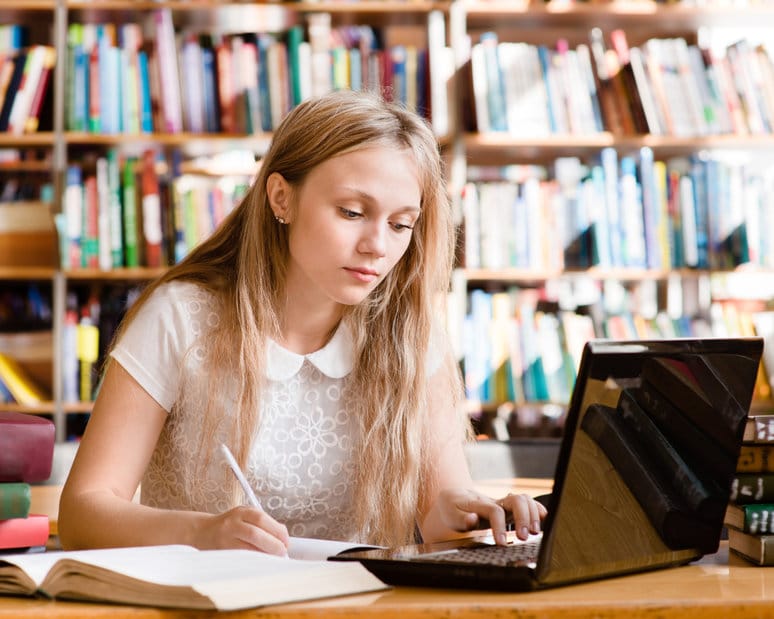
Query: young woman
{"points": [[305, 335]]}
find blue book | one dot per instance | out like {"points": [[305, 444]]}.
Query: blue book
{"points": [[651, 213], [600, 227], [701, 204], [544, 55], [498, 112], [609, 161], [146, 110], [209, 86], [264, 42]]}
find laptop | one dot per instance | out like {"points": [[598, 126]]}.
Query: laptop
{"points": [[642, 480]]}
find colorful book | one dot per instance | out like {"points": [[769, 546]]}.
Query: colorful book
{"points": [[151, 210], [19, 533], [755, 518], [18, 381], [26, 447], [14, 500]]}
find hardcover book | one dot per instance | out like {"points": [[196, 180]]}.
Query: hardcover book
{"points": [[26, 447], [183, 577]]}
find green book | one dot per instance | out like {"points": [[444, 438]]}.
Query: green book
{"points": [[755, 518], [114, 208], [131, 255], [14, 500]]}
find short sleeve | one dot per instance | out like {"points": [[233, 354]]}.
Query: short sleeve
{"points": [[153, 346]]}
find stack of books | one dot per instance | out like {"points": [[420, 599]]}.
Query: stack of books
{"points": [[750, 514], [26, 456]]}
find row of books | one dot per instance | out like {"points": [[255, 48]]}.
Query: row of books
{"points": [[12, 37], [25, 77], [91, 319], [25, 307], [121, 80], [703, 211], [519, 347], [27, 448], [128, 212], [666, 86], [750, 513]]}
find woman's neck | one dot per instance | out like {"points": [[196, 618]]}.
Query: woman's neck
{"points": [[306, 332]]}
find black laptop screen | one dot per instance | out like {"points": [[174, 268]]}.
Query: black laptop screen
{"points": [[644, 475]]}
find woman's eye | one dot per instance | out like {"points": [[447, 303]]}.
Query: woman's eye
{"points": [[350, 214], [401, 227]]}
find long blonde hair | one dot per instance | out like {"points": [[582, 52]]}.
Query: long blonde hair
{"points": [[243, 265]]}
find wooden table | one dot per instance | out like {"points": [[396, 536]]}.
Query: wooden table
{"points": [[718, 588]]}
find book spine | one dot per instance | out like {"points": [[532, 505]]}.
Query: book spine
{"points": [[756, 459], [151, 210], [24, 532], [28, 448], [747, 488], [14, 500]]}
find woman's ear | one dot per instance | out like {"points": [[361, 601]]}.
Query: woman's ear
{"points": [[278, 192]]}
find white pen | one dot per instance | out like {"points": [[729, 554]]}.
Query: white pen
{"points": [[232, 463]]}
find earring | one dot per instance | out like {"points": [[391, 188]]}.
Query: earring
{"points": [[280, 219]]}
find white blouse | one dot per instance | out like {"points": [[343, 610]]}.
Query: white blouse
{"points": [[302, 461]]}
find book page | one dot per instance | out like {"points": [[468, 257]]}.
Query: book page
{"points": [[307, 548]]}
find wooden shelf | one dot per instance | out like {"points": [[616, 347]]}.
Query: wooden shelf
{"points": [[9, 140], [138, 274], [27, 273], [652, 15], [501, 148]]}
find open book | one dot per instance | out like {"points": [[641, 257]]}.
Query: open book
{"points": [[185, 577]]}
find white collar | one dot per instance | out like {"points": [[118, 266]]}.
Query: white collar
{"points": [[335, 359]]}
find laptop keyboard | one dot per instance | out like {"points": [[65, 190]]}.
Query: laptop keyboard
{"points": [[513, 554]]}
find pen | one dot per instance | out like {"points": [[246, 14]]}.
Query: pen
{"points": [[232, 463]]}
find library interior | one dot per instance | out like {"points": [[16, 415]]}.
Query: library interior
{"points": [[610, 167]]}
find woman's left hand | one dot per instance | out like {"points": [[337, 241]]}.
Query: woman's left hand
{"points": [[464, 509]]}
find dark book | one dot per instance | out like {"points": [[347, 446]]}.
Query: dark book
{"points": [[677, 382], [749, 488], [756, 548], [667, 511], [19, 61], [755, 518], [703, 495], [681, 432], [26, 447]]}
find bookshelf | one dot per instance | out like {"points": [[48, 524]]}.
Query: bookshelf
{"points": [[59, 144], [717, 291], [180, 151]]}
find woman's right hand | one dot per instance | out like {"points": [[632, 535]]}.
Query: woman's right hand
{"points": [[243, 527]]}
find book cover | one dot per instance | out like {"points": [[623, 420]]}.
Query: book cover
{"points": [[14, 500], [754, 518], [26, 447], [28, 532], [183, 577]]}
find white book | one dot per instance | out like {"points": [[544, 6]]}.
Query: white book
{"points": [[185, 577], [480, 87], [22, 102], [169, 75], [105, 258]]}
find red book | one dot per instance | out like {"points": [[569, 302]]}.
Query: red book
{"points": [[24, 532], [151, 210], [33, 118], [26, 447]]}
